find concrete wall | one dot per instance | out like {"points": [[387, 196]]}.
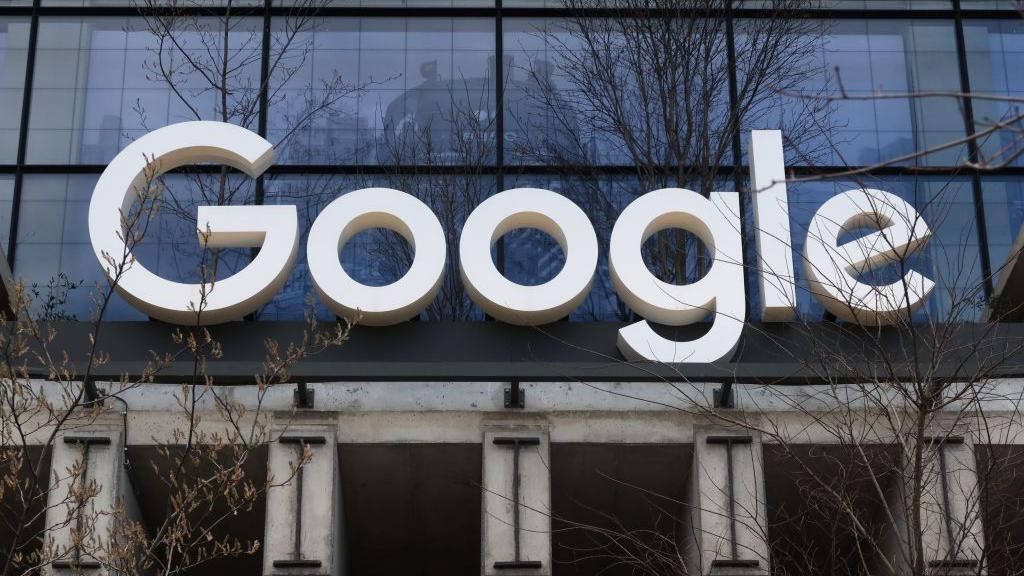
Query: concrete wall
{"points": [[724, 533]]}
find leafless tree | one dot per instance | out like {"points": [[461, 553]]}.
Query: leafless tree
{"points": [[439, 148], [211, 64], [881, 427], [628, 96], [207, 466]]}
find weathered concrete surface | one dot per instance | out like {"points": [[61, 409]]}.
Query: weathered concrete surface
{"points": [[952, 538], [499, 509], [73, 466], [320, 548], [727, 523]]}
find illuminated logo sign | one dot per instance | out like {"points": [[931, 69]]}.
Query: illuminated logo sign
{"points": [[832, 267]]}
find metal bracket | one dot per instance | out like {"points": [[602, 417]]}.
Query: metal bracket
{"points": [[88, 440], [515, 397], [724, 397], [729, 439], [76, 564], [303, 397], [312, 440], [942, 440], [520, 564], [299, 563], [734, 563]]}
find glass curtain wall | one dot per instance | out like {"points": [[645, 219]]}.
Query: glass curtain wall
{"points": [[454, 101]]}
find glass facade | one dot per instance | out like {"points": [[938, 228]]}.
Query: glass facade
{"points": [[453, 101]]}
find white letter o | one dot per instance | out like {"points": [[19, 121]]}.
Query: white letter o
{"points": [[354, 212], [544, 210]]}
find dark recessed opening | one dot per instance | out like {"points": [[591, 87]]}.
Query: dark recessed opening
{"points": [[1001, 473], [813, 494], [149, 473], [411, 508], [618, 508], [26, 502]]}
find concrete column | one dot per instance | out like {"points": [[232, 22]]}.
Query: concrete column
{"points": [[304, 528], [951, 509], [87, 459], [516, 502], [727, 522]]}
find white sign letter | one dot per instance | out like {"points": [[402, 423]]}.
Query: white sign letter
{"points": [[349, 215], [273, 228], [771, 218], [544, 210], [832, 270], [716, 221]]}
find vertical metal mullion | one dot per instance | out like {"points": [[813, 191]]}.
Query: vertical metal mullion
{"points": [[725, 392], [299, 481], [261, 126], [26, 106], [973, 151], [737, 145], [515, 494], [499, 120], [79, 521], [732, 502], [946, 508], [265, 70], [264, 90]]}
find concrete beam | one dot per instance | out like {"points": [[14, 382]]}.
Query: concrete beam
{"points": [[951, 511], [304, 532], [516, 534], [88, 480], [727, 529]]}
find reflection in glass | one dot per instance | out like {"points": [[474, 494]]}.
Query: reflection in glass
{"points": [[414, 91], [102, 82], [995, 57], [1004, 215], [54, 258], [378, 257], [951, 258], [869, 67], [53, 238], [14, 50]]}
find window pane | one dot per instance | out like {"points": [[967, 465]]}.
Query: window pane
{"points": [[386, 91], [863, 4], [1004, 214], [13, 55], [995, 57], [617, 91], [102, 82], [951, 257], [989, 4], [6, 207], [54, 258], [868, 69], [54, 246], [389, 3], [143, 4]]}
